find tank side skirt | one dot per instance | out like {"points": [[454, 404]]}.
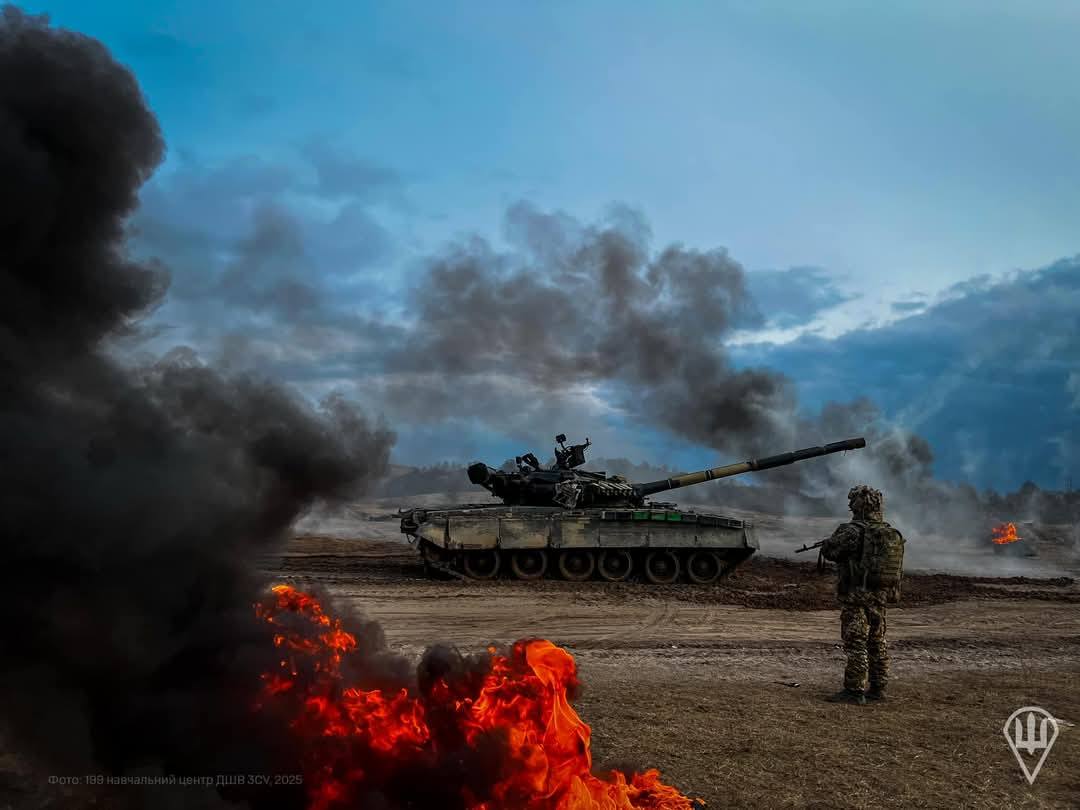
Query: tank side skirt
{"points": [[611, 529], [469, 532], [523, 532]]}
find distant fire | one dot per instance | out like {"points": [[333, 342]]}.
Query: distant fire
{"points": [[1005, 533], [516, 711]]}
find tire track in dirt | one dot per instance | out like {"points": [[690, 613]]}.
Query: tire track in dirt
{"points": [[659, 617]]}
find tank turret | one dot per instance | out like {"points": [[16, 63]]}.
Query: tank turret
{"points": [[563, 485]]}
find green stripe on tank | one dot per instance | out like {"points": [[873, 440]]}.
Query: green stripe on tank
{"points": [[641, 515]]}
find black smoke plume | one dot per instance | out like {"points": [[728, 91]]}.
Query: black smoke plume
{"points": [[135, 499]]}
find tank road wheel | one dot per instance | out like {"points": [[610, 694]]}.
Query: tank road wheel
{"points": [[661, 567], [529, 563], [577, 564], [704, 567], [615, 564], [481, 563]]}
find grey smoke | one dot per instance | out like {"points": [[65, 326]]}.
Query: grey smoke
{"points": [[574, 307]]}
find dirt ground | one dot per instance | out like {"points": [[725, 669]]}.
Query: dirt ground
{"points": [[722, 688]]}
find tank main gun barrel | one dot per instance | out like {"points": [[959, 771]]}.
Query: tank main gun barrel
{"points": [[652, 487]]}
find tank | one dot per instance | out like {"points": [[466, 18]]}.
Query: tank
{"points": [[579, 525]]}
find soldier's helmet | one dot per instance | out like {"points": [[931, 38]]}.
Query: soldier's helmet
{"points": [[866, 502]]}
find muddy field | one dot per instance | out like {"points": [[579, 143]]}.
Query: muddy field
{"points": [[722, 687]]}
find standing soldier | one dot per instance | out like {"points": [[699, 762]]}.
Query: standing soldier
{"points": [[869, 554]]}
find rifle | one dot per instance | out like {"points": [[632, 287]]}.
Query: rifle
{"points": [[818, 544]]}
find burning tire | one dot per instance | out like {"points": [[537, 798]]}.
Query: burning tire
{"points": [[1008, 541]]}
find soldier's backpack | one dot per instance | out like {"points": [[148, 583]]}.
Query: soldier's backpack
{"points": [[880, 566]]}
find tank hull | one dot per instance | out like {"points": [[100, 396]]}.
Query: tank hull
{"points": [[659, 544]]}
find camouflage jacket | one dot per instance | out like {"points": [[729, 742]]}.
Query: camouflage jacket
{"points": [[844, 548]]}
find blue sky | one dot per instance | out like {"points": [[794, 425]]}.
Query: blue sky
{"points": [[859, 161]]}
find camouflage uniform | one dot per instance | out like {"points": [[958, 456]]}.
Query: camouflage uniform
{"points": [[862, 613]]}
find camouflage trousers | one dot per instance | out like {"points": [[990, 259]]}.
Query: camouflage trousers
{"points": [[862, 627]]}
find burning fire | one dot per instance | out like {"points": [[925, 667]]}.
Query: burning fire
{"points": [[1005, 533], [518, 706]]}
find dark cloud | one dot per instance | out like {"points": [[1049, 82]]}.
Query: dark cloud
{"points": [[198, 208], [969, 286], [269, 273], [794, 296], [135, 496], [984, 375], [209, 204], [339, 172]]}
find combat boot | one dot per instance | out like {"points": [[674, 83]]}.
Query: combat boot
{"points": [[848, 696], [876, 693]]}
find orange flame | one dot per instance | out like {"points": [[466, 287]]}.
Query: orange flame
{"points": [[521, 701], [1005, 533]]}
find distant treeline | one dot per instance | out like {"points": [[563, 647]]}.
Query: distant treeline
{"points": [[443, 477]]}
